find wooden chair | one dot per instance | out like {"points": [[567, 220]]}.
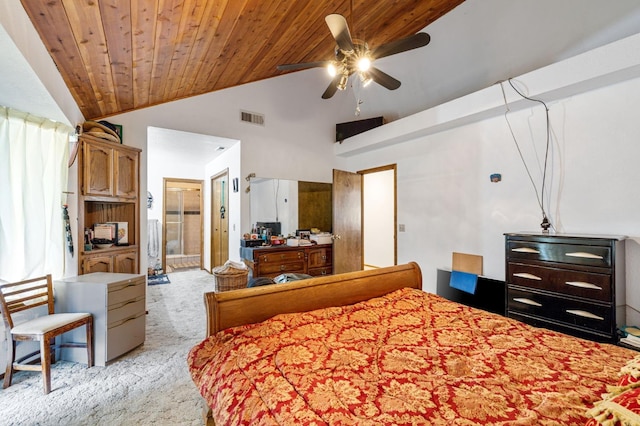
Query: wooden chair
{"points": [[29, 294]]}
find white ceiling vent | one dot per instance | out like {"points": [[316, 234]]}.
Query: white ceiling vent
{"points": [[252, 117]]}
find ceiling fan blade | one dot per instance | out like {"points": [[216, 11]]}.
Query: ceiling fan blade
{"points": [[402, 45], [332, 88], [303, 66], [383, 79], [340, 31]]}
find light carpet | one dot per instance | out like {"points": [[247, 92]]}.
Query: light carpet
{"points": [[149, 385]]}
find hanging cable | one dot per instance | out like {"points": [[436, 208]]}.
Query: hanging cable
{"points": [[539, 196]]}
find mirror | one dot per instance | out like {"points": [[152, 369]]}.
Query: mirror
{"points": [[295, 204]]}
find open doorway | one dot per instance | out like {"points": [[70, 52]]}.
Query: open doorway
{"points": [[183, 226], [364, 219], [379, 217]]}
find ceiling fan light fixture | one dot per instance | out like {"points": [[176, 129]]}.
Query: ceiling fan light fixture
{"points": [[365, 79], [364, 63], [342, 85]]}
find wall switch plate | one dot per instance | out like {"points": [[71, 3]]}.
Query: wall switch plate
{"points": [[401, 227]]}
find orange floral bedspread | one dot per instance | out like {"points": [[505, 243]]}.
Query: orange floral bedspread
{"points": [[408, 358]]}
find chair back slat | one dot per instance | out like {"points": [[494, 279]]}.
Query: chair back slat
{"points": [[24, 295]]}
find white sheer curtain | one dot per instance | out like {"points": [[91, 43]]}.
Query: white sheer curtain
{"points": [[33, 178]]}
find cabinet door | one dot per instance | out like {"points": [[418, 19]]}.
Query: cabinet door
{"points": [[126, 174], [319, 257], [98, 170], [98, 264], [126, 263]]}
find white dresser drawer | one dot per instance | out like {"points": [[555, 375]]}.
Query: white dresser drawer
{"points": [[126, 336], [125, 311], [126, 292]]}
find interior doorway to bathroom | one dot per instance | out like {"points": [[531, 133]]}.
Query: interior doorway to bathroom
{"points": [[183, 226]]}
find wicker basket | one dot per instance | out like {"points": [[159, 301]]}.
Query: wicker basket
{"points": [[231, 279]]}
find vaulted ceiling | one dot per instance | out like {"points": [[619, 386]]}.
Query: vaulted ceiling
{"points": [[120, 55]]}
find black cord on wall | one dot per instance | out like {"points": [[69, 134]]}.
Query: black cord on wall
{"points": [[546, 224]]}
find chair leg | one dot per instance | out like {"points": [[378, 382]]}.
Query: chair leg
{"points": [[11, 356], [52, 343], [45, 360], [89, 329]]}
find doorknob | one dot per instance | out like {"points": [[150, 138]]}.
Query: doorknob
{"points": [[337, 237]]}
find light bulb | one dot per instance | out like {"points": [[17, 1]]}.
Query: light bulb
{"points": [[364, 63], [332, 70], [365, 79]]}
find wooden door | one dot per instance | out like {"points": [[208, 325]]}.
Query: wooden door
{"points": [[126, 263], [126, 173], [97, 264], [98, 170], [347, 221], [220, 219]]}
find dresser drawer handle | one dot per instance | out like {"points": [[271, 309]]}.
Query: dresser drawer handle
{"points": [[527, 276], [584, 314], [526, 301], [582, 284], [525, 250], [584, 255]]}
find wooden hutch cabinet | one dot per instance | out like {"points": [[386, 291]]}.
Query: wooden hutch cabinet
{"points": [[108, 181]]}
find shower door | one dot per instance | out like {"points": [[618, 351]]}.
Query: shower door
{"points": [[182, 237]]}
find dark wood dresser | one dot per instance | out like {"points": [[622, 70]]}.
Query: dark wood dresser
{"points": [[272, 261], [570, 283]]}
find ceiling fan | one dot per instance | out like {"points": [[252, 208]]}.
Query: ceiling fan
{"points": [[354, 56]]}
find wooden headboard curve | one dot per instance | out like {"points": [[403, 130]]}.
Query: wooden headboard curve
{"points": [[251, 305]]}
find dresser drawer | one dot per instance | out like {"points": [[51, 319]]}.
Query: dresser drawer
{"points": [[575, 254], [575, 283], [317, 272], [281, 268], [125, 336], [568, 311], [281, 256], [124, 311], [126, 292]]}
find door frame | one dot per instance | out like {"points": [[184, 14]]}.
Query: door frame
{"points": [[165, 182]]}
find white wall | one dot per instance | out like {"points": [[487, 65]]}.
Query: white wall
{"points": [[448, 203]]}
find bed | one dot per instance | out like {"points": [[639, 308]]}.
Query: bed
{"points": [[372, 348]]}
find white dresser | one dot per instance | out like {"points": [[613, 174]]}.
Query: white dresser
{"points": [[117, 302]]}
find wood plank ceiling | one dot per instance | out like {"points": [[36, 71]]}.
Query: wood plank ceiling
{"points": [[120, 55]]}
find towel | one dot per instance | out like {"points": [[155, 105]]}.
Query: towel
{"points": [[153, 239], [464, 281]]}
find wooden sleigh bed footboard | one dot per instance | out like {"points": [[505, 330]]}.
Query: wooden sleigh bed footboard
{"points": [[252, 305]]}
